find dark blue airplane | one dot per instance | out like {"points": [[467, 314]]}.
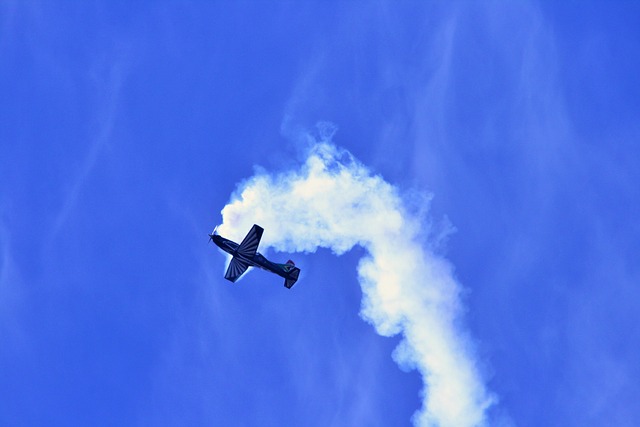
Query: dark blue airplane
{"points": [[245, 255]]}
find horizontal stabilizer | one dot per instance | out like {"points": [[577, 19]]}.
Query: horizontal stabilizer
{"points": [[293, 278]]}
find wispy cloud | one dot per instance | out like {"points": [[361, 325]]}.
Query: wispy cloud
{"points": [[106, 120], [333, 201]]}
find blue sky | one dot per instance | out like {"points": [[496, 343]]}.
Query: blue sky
{"points": [[125, 129]]}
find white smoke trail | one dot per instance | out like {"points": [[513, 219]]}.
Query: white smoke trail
{"points": [[335, 202]]}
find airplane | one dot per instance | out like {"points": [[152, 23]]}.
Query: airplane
{"points": [[245, 255]]}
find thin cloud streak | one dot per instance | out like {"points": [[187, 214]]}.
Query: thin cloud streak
{"points": [[335, 202], [97, 144]]}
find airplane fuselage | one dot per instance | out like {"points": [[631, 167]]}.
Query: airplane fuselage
{"points": [[258, 260]]}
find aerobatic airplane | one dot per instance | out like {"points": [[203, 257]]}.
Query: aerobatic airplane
{"points": [[245, 255]]}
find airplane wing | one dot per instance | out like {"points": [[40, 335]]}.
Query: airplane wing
{"points": [[249, 245], [235, 270]]}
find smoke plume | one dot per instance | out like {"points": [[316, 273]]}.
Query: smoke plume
{"points": [[335, 202]]}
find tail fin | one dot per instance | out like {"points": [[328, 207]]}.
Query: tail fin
{"points": [[293, 278]]}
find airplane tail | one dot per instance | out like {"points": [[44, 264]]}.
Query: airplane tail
{"points": [[293, 277]]}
